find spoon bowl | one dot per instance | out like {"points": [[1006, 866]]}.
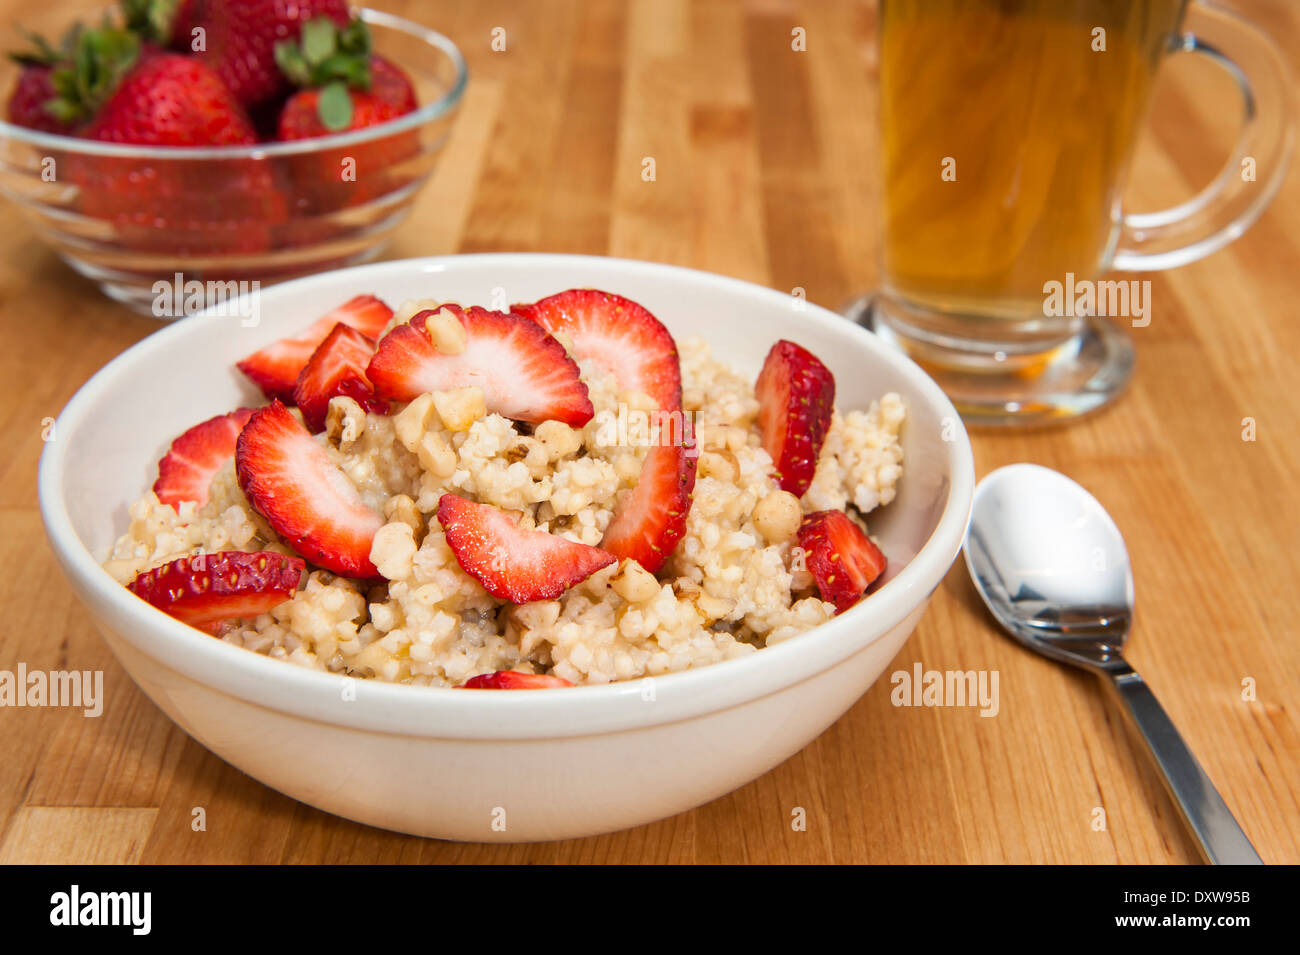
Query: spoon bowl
{"points": [[1051, 566]]}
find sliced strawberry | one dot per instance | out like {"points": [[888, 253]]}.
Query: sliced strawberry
{"points": [[614, 335], [511, 562], [524, 372], [651, 519], [209, 589], [185, 473], [796, 394], [337, 367], [512, 680], [292, 482], [840, 557], [275, 368]]}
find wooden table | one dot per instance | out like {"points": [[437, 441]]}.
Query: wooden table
{"points": [[765, 162]]}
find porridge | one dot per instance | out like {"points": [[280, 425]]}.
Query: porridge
{"points": [[560, 494]]}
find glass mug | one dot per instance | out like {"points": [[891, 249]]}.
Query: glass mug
{"points": [[1007, 129]]}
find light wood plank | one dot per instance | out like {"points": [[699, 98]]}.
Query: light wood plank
{"points": [[43, 835]]}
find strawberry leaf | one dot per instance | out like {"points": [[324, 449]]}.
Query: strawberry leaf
{"points": [[355, 38], [319, 40], [151, 19], [325, 54], [289, 58], [40, 53], [99, 61], [62, 110], [334, 106], [341, 66]]}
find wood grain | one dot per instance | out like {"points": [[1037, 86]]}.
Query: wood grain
{"points": [[765, 169], [41, 835]]}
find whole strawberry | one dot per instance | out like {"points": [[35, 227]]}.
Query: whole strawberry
{"points": [[344, 87], [32, 92], [237, 38], [115, 86], [32, 103], [320, 112], [123, 90], [172, 100], [217, 207]]}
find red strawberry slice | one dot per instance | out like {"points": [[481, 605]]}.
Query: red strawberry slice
{"points": [[840, 557], [185, 473], [337, 367], [312, 504], [275, 369], [512, 680], [614, 335], [511, 562], [209, 589], [524, 372], [651, 519], [796, 394]]}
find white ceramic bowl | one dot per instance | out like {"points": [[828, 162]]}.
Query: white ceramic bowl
{"points": [[498, 766]]}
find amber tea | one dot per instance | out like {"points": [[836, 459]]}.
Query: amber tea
{"points": [[1007, 127]]}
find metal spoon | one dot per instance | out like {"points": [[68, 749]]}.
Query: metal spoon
{"points": [[1051, 565]]}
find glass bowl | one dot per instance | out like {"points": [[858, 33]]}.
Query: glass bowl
{"points": [[146, 222]]}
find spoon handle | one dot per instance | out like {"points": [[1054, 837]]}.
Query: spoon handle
{"points": [[1203, 810]]}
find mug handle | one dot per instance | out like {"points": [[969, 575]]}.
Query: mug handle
{"points": [[1228, 206]]}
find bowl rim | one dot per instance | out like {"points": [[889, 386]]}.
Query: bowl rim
{"points": [[452, 713], [436, 109]]}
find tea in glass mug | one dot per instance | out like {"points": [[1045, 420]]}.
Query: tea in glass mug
{"points": [[1007, 130]]}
